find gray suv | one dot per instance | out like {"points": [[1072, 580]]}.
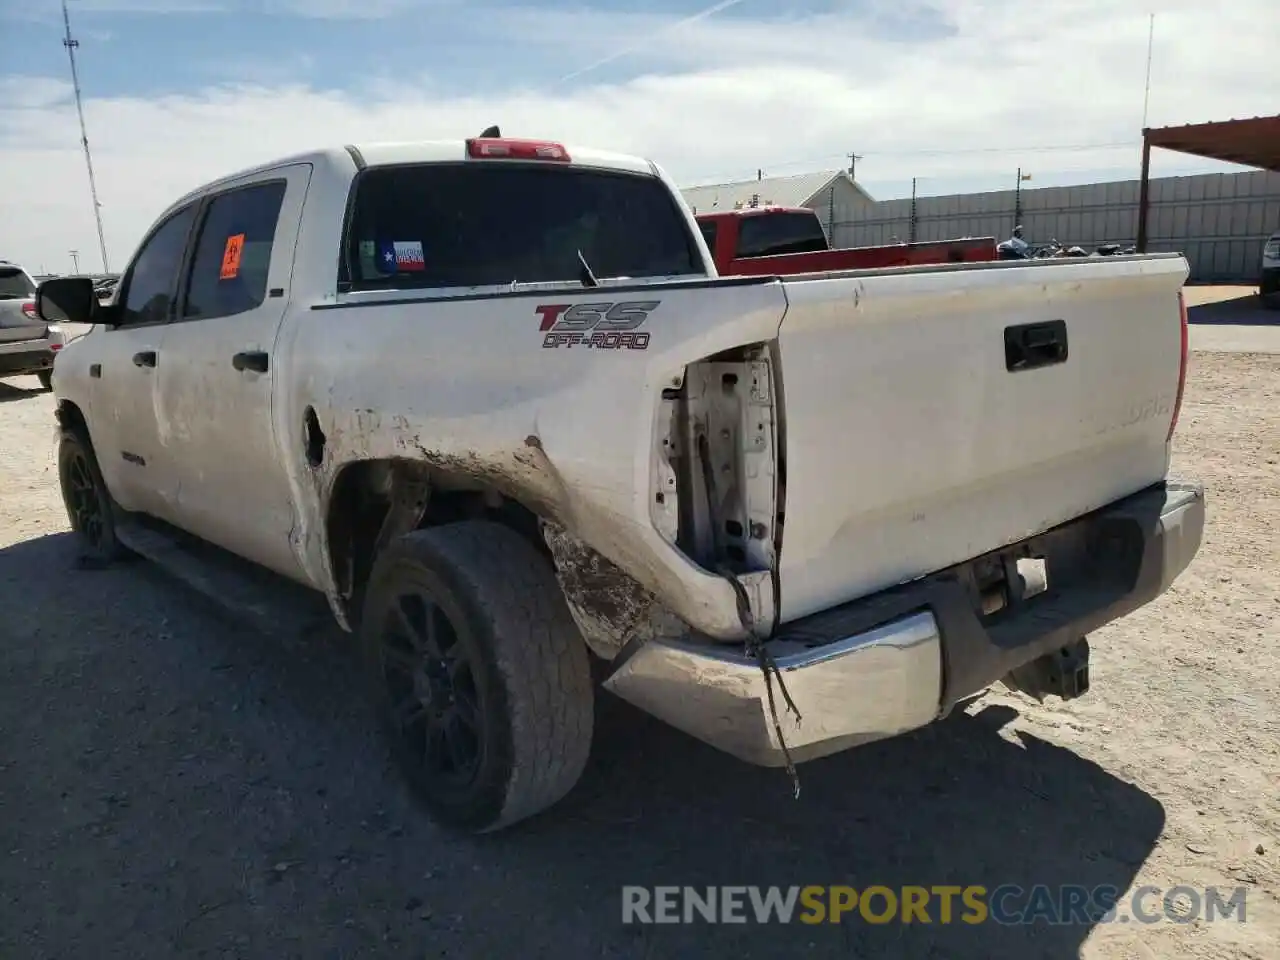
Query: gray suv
{"points": [[1269, 273], [27, 343]]}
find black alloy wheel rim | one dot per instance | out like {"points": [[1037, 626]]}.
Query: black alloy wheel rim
{"points": [[431, 692], [86, 504]]}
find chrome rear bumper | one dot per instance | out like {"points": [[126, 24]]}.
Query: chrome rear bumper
{"points": [[901, 659], [862, 688]]}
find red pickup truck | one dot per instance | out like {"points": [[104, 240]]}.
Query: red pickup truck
{"points": [[786, 240]]}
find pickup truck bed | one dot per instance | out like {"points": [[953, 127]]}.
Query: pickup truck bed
{"points": [[782, 241], [494, 444], [903, 447]]}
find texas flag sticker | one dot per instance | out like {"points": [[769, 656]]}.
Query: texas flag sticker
{"points": [[400, 256]]}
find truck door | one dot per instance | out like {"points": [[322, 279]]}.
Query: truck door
{"points": [[124, 366], [215, 397]]}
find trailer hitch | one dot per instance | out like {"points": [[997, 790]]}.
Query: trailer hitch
{"points": [[1063, 673]]}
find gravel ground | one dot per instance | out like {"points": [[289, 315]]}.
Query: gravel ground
{"points": [[172, 785], [1231, 319]]}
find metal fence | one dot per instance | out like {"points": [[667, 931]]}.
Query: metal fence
{"points": [[1220, 221]]}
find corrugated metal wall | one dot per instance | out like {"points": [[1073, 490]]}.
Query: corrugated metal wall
{"points": [[1220, 221], [841, 203]]}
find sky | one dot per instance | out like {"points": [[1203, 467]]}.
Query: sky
{"points": [[957, 93]]}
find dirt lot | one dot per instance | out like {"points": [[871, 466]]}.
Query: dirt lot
{"points": [[172, 785], [1232, 319]]}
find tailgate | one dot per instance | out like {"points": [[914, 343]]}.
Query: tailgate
{"points": [[15, 325], [17, 306], [917, 437]]}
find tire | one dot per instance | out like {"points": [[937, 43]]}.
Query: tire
{"points": [[46, 379], [497, 726], [89, 506]]}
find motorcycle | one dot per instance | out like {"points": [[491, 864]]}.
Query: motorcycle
{"points": [[1115, 250], [1015, 248]]}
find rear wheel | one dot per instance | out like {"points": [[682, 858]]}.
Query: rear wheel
{"points": [[46, 379], [480, 676], [84, 494]]}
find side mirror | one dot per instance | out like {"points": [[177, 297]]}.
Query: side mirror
{"points": [[66, 300]]}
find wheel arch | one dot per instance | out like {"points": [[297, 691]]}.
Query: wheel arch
{"points": [[71, 417], [371, 501]]}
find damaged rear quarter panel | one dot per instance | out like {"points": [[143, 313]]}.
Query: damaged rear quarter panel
{"points": [[468, 387]]}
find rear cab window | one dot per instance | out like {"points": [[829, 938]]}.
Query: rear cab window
{"points": [[14, 283], [491, 223], [772, 234], [710, 229]]}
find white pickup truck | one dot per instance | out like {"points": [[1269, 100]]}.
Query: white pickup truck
{"points": [[490, 398]]}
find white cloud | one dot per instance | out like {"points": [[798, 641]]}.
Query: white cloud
{"points": [[50, 9], [348, 9], [649, 39], [718, 96]]}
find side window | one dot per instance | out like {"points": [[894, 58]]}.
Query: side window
{"points": [[708, 228], [153, 278], [233, 252]]}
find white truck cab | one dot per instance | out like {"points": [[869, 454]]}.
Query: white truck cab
{"points": [[490, 398]]}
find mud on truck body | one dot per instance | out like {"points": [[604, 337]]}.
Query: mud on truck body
{"points": [[491, 399]]}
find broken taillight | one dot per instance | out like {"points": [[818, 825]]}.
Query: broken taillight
{"points": [[1182, 367]]}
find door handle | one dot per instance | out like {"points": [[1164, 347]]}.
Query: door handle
{"points": [[1031, 345], [255, 360], [146, 358]]}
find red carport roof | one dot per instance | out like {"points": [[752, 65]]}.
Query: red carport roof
{"points": [[1253, 143]]}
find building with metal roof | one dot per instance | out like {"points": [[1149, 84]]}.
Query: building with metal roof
{"points": [[833, 194]]}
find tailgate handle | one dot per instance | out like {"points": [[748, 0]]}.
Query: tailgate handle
{"points": [[255, 360], [1031, 345]]}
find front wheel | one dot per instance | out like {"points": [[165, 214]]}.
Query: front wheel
{"points": [[85, 496], [480, 676]]}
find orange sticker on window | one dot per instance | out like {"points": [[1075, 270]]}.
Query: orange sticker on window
{"points": [[231, 257]]}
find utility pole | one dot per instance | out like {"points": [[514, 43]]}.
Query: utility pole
{"points": [[1146, 92], [911, 229], [1017, 196], [853, 165], [71, 43], [75, 261]]}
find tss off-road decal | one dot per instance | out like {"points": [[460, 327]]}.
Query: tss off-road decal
{"points": [[603, 326]]}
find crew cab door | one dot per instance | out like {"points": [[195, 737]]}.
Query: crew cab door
{"points": [[123, 364], [215, 396]]}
